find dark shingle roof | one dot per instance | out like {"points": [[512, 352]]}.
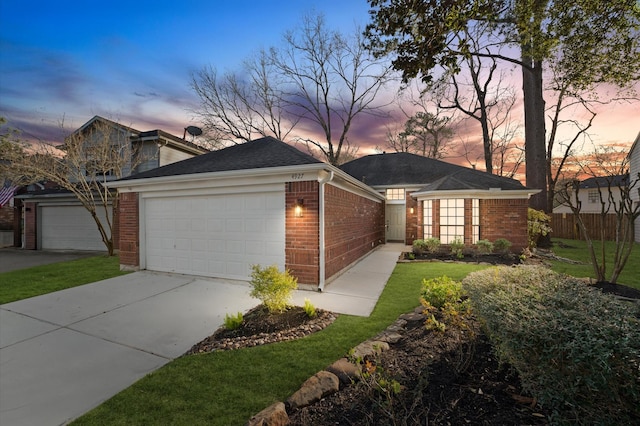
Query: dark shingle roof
{"points": [[256, 154], [605, 181], [403, 168]]}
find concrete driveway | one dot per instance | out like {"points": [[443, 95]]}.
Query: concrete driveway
{"points": [[63, 353], [12, 259]]}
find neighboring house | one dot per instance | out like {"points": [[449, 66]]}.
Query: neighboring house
{"points": [[634, 170], [589, 194], [265, 202], [55, 220]]}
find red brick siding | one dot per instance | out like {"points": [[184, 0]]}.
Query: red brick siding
{"points": [[505, 219], [30, 226], [412, 224], [129, 234], [6, 217], [354, 225], [302, 234]]}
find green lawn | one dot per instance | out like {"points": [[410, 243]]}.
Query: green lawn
{"points": [[577, 250], [227, 388], [25, 283]]}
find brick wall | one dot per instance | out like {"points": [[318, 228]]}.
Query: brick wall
{"points": [[354, 225], [129, 234], [30, 226], [6, 217], [505, 219], [302, 234], [413, 231]]}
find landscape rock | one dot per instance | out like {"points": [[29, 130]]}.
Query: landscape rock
{"points": [[369, 349], [314, 389], [345, 370], [274, 415]]}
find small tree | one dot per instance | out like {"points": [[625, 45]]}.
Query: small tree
{"points": [[81, 165], [623, 207]]}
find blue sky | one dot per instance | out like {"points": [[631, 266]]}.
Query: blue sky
{"points": [[132, 61]]}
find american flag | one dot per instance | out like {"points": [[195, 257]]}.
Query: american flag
{"points": [[6, 192]]}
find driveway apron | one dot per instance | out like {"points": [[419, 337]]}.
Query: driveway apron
{"points": [[63, 353]]}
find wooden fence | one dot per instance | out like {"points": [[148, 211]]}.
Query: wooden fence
{"points": [[564, 226]]}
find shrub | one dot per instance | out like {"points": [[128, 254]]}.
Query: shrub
{"points": [[309, 309], [575, 349], [272, 287], [419, 246], [484, 246], [432, 244], [502, 245], [233, 322], [438, 291], [537, 226], [457, 245]]}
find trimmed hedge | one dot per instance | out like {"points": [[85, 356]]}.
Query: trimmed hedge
{"points": [[575, 349]]}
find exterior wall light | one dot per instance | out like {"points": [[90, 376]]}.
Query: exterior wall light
{"points": [[411, 210], [298, 208]]}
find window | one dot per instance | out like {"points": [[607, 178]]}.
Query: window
{"points": [[475, 220], [451, 220], [395, 194], [593, 196], [428, 220]]}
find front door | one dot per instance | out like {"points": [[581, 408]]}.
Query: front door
{"points": [[395, 217]]}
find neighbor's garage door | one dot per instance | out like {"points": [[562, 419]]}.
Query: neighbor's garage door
{"points": [[216, 235], [69, 228]]}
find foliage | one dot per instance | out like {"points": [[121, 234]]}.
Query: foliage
{"points": [[575, 349], [309, 309], [457, 247], [537, 226], [233, 322], [30, 282], [484, 246], [430, 245], [272, 287], [438, 291], [502, 245]]}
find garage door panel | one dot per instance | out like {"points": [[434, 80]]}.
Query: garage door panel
{"points": [[69, 228], [219, 236]]}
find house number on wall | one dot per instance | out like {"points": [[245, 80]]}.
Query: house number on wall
{"points": [[297, 176]]}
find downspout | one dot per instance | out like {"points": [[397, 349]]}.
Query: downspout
{"points": [[322, 181]]}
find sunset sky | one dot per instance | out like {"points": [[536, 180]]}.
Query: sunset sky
{"points": [[132, 61]]}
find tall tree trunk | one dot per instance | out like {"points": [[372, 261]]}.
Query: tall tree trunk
{"points": [[534, 123]]}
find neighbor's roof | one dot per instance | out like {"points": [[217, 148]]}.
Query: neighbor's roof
{"points": [[605, 181], [402, 168], [257, 154]]}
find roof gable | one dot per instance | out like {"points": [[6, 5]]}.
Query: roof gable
{"points": [[257, 154], [403, 168]]}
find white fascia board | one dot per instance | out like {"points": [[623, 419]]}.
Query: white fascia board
{"points": [[349, 183], [490, 194]]}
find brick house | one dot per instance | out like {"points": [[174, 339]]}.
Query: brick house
{"points": [[265, 202], [53, 217]]}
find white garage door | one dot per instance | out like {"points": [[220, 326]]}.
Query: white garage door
{"points": [[215, 236], [69, 228]]}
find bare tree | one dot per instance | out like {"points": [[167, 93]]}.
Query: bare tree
{"points": [[82, 164], [237, 107], [328, 80], [614, 188]]}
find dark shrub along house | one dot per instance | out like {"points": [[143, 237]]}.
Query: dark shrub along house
{"points": [[265, 202]]}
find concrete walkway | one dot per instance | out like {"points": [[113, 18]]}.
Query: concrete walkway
{"points": [[64, 353]]}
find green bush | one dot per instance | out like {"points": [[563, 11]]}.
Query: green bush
{"points": [[457, 246], [501, 245], [419, 246], [432, 244], [575, 349], [233, 322], [537, 226], [438, 291], [272, 287], [484, 246], [309, 309]]}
